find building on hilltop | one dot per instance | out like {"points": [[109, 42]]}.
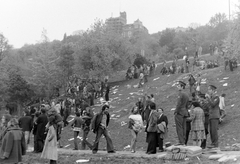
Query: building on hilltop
{"points": [[136, 27], [119, 25], [116, 24]]}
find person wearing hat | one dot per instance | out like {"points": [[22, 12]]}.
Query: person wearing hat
{"points": [[181, 113], [99, 126], [214, 114], [14, 146]]}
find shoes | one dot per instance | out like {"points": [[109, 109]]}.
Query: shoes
{"points": [[161, 150], [111, 151], [75, 149], [94, 152], [133, 151]]}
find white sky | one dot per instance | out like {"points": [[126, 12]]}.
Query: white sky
{"points": [[22, 21]]}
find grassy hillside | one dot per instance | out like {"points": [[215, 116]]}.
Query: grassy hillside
{"points": [[123, 96]]}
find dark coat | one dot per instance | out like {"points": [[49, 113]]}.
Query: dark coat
{"points": [[182, 103], [98, 119], [162, 118], [214, 110], [41, 123], [152, 121], [26, 123]]}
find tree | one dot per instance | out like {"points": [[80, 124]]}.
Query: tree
{"points": [[217, 19], [166, 39], [18, 89], [66, 61], [233, 40], [4, 46]]}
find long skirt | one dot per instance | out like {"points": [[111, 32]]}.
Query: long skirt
{"points": [[152, 142]]}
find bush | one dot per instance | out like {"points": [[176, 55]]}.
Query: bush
{"points": [[179, 52], [140, 60]]}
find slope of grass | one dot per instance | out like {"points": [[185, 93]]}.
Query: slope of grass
{"points": [[123, 98]]}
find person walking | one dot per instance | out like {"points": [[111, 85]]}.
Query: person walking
{"points": [[214, 114], [135, 126], [181, 113], [87, 116], [76, 126], [99, 126]]}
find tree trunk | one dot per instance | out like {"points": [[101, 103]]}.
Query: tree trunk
{"points": [[19, 108]]}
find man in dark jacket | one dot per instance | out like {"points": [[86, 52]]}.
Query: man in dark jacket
{"points": [[26, 123], [99, 126], [161, 118], [41, 123], [214, 114], [181, 113]]}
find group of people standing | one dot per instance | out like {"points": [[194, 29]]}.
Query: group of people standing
{"points": [[202, 111], [145, 115]]}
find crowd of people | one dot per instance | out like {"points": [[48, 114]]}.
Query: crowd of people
{"points": [[133, 72], [196, 115]]}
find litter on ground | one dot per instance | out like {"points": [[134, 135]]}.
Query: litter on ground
{"points": [[126, 147], [225, 84], [67, 145], [123, 123], [82, 160], [156, 78], [70, 139], [225, 78]]}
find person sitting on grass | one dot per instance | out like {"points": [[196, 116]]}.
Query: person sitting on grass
{"points": [[135, 126]]}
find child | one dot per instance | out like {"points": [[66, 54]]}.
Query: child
{"points": [[77, 125], [222, 107], [50, 146], [135, 124]]}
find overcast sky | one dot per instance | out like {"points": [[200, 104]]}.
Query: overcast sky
{"points": [[22, 21]]}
